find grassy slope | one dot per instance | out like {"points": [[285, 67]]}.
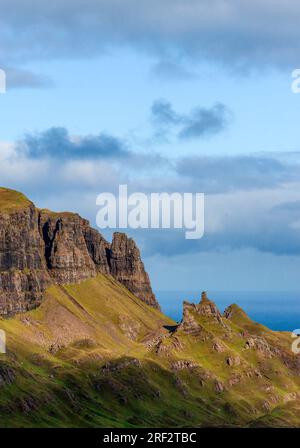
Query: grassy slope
{"points": [[80, 359], [11, 200], [267, 400], [55, 350]]}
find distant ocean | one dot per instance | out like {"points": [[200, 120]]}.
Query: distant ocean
{"points": [[277, 310]]}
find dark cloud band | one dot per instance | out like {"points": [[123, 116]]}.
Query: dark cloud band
{"points": [[57, 143], [235, 33]]}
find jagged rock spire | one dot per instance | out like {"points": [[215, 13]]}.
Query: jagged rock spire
{"points": [[204, 297]]}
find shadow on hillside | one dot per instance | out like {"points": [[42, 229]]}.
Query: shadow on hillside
{"points": [[171, 328]]}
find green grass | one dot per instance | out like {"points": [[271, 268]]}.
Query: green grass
{"points": [[55, 215], [11, 200], [98, 376]]}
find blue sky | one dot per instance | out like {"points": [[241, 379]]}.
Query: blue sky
{"points": [[183, 95], [115, 93]]}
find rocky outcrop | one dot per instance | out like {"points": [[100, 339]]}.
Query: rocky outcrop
{"points": [[65, 249], [23, 273], [259, 344], [232, 361], [184, 365], [7, 375], [121, 259], [97, 247], [206, 309], [189, 325], [127, 267], [40, 247]]}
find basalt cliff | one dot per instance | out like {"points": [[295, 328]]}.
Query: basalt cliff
{"points": [[40, 247]]}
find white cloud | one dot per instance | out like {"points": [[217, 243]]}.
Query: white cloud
{"points": [[260, 215]]}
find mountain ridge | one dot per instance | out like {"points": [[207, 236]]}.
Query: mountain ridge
{"points": [[40, 247]]}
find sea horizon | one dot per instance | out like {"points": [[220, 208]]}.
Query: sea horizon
{"points": [[278, 310]]}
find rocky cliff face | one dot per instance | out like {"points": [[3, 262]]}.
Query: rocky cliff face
{"points": [[121, 259], [23, 273], [127, 267], [98, 248], [66, 253], [39, 247]]}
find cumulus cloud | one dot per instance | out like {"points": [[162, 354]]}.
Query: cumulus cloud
{"points": [[200, 122], [163, 113], [57, 143], [204, 122], [236, 33]]}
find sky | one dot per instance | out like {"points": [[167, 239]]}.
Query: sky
{"points": [[172, 95]]}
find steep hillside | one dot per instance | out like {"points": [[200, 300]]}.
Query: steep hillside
{"points": [[57, 352], [95, 355]]}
